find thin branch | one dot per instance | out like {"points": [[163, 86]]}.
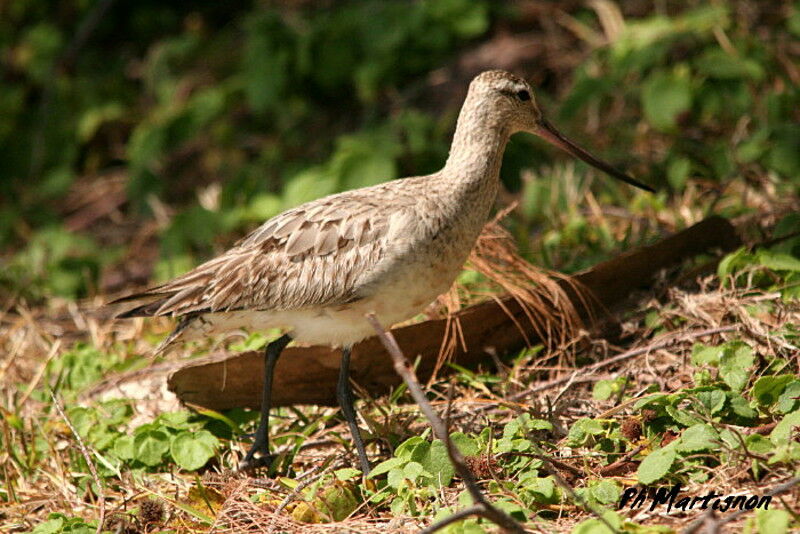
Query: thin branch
{"points": [[86, 456], [611, 468], [298, 489], [557, 463], [482, 506], [586, 374], [620, 358], [475, 509]]}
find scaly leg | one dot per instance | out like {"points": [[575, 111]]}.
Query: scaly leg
{"points": [[261, 443], [344, 394]]}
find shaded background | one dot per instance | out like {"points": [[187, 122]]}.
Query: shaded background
{"points": [[140, 138]]}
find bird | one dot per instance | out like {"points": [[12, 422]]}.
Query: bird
{"points": [[317, 270]]}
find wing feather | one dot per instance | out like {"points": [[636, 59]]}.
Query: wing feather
{"points": [[317, 254]]}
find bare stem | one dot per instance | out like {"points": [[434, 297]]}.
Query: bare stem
{"points": [[656, 345], [86, 456], [482, 506], [475, 509]]}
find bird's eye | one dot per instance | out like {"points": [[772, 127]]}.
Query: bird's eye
{"points": [[523, 95]]}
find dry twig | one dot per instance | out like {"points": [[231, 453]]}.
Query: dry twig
{"points": [[482, 506], [101, 497], [660, 344]]}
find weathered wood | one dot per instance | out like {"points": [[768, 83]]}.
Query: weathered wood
{"points": [[307, 375]]}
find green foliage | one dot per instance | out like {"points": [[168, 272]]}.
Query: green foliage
{"points": [[604, 389], [58, 523], [681, 75], [700, 415], [191, 90], [172, 437], [55, 262], [419, 467]]}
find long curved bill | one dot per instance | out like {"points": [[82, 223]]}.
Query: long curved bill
{"points": [[549, 133]]}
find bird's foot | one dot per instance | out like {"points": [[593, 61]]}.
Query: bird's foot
{"points": [[256, 457], [251, 463]]}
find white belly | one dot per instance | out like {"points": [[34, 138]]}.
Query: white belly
{"points": [[342, 325]]}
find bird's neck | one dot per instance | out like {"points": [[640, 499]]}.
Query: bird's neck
{"points": [[477, 150]]}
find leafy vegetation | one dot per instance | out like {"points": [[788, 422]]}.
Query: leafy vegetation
{"points": [[143, 138]]}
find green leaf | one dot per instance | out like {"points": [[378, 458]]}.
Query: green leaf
{"points": [[786, 429], [741, 407], [595, 526], [413, 448], [699, 437], [759, 444], [603, 389], [150, 446], [93, 118], [266, 62], [123, 448], [790, 398], [308, 185], [656, 465], [754, 147], [717, 63], [227, 421], [656, 398], [51, 526], [784, 153], [775, 521], [254, 341], [437, 462], [779, 262], [768, 389], [682, 416], [733, 262], [582, 429], [192, 450], [413, 470], [678, 172], [605, 491], [262, 207], [465, 444], [540, 424], [543, 488], [386, 466], [337, 501], [362, 170], [395, 477], [703, 355], [734, 366], [346, 473], [664, 97], [713, 401], [175, 420], [793, 21]]}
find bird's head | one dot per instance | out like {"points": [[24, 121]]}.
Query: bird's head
{"points": [[508, 100]]}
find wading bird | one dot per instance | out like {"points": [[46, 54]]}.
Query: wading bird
{"points": [[316, 270]]}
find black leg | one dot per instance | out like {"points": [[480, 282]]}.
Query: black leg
{"points": [[261, 443], [344, 394]]}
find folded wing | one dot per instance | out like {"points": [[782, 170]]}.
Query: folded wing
{"points": [[317, 254]]}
